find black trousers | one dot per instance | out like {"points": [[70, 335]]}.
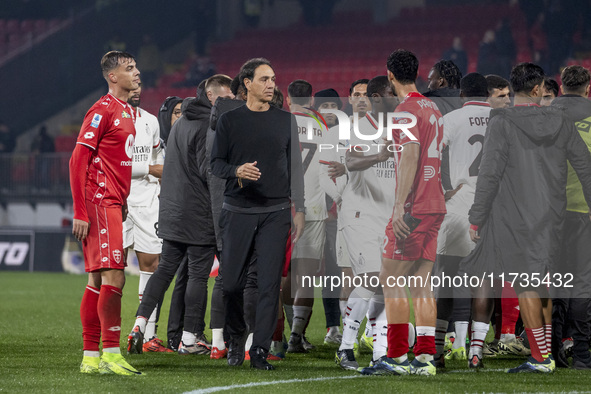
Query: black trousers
{"points": [[200, 259], [177, 305], [453, 303], [571, 304], [244, 236], [330, 298]]}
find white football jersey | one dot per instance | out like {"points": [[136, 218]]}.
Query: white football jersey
{"points": [[368, 198], [315, 201], [463, 131], [332, 149], [146, 151]]}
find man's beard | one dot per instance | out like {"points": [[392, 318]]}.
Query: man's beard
{"points": [[134, 102]]}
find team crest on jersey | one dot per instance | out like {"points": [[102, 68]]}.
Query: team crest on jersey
{"points": [[125, 115], [117, 121], [117, 255], [96, 120]]}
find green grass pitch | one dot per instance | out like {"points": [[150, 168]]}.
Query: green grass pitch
{"points": [[41, 349]]}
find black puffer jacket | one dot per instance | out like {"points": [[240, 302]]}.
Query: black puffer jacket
{"points": [[520, 199], [185, 207]]}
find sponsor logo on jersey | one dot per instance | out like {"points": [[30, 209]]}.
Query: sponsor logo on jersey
{"points": [[129, 146], [88, 135], [125, 115], [429, 172], [117, 121], [125, 163], [117, 255], [13, 253], [96, 120]]}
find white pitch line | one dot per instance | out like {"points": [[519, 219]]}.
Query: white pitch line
{"points": [[269, 383]]}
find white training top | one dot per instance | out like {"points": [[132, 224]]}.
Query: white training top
{"points": [[463, 131], [368, 199], [147, 151]]}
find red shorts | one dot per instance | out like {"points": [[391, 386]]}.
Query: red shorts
{"points": [[103, 247], [420, 244]]}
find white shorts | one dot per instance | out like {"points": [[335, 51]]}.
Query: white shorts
{"points": [[454, 236], [365, 248], [311, 244], [343, 259], [139, 230]]}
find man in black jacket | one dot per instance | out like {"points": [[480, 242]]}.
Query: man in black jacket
{"points": [[185, 220], [519, 208], [570, 305], [256, 149]]}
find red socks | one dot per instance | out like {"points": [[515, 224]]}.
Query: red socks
{"points": [[398, 340], [510, 306], [109, 312], [91, 324], [537, 343]]}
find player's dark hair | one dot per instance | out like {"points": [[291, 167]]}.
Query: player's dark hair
{"points": [[217, 81], [247, 70], [404, 65], [235, 84], [450, 72], [525, 76], [575, 79], [551, 86], [111, 59], [474, 85], [362, 81], [377, 85], [277, 100], [300, 92], [496, 82]]}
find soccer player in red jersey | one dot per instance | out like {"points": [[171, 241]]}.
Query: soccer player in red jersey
{"points": [[100, 178], [419, 197]]}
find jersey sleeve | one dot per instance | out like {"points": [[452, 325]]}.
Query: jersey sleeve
{"points": [[94, 126], [448, 129]]}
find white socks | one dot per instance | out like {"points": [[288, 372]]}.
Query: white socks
{"points": [[217, 338], [378, 324], [357, 307], [189, 338], [301, 316], [150, 329], [479, 331], [141, 322], [91, 353], [248, 343], [288, 314], [461, 328]]}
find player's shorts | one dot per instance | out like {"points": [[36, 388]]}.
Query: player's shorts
{"points": [[140, 229], [454, 236], [420, 244], [365, 248], [103, 247], [343, 259], [311, 243]]}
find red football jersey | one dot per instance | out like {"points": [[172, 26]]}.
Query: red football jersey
{"points": [[108, 129], [426, 195]]}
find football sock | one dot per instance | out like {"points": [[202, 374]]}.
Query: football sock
{"points": [[537, 343], [150, 331], [507, 337], [440, 329], [357, 307], [424, 358], [479, 331], [461, 328], [109, 311], [425, 341], [113, 350], [279, 328], [510, 315], [548, 335], [397, 340], [248, 343], [379, 325], [91, 324], [412, 335], [188, 338], [217, 338], [141, 322], [343, 307], [301, 315], [91, 353], [289, 315]]}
